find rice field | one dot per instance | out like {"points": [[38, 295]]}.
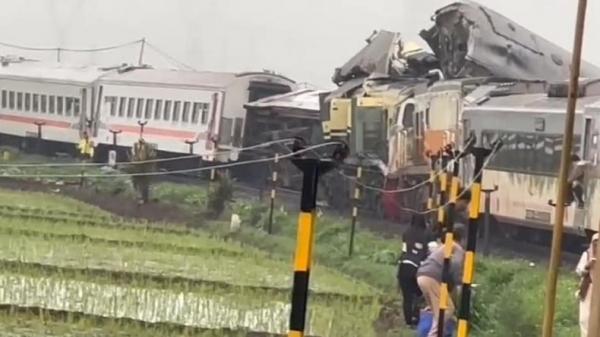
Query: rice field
{"points": [[60, 255]]}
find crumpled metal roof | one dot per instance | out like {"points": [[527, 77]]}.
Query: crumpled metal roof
{"points": [[304, 99], [388, 55], [471, 40]]}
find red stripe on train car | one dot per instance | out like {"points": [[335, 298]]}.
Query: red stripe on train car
{"points": [[29, 120], [167, 133]]}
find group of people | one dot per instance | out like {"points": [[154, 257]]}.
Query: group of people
{"points": [[421, 267]]}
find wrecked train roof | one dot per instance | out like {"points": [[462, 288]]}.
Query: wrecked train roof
{"points": [[301, 100], [472, 40], [388, 55]]}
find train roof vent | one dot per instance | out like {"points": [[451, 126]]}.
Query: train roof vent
{"points": [[587, 87]]}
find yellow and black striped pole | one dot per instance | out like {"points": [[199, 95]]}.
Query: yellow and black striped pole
{"points": [[311, 169], [433, 181], [273, 192], [355, 201], [442, 192], [448, 243], [464, 313]]}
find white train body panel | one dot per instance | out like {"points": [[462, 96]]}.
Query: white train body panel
{"points": [[176, 107], [57, 96], [526, 168]]}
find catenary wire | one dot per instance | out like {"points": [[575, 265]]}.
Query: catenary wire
{"points": [[161, 173]]}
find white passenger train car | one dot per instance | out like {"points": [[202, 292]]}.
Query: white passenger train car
{"points": [[176, 108], [526, 168], [57, 97]]}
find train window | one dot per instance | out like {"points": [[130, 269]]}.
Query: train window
{"points": [[130, 106], [69, 106], [149, 106], [408, 116], [158, 109], [59, 105], [237, 132], [140, 108], [111, 101], [11, 99], [167, 111], [44, 104], [51, 106], [186, 112], [27, 102], [196, 109], [205, 109], [195, 112], [77, 106], [122, 105], [176, 111], [35, 102], [533, 153], [19, 101], [4, 99]]}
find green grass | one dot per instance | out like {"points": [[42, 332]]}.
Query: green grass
{"points": [[197, 309], [45, 201], [198, 241], [243, 270]]}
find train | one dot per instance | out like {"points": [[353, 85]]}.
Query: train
{"points": [[395, 104], [177, 112]]}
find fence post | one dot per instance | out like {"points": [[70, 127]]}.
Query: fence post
{"points": [[448, 225], [355, 200], [433, 181], [273, 192], [487, 219], [464, 312], [190, 144], [142, 125], [312, 169]]}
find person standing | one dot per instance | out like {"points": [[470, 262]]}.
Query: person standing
{"points": [[142, 155], [429, 277], [414, 251], [584, 270]]}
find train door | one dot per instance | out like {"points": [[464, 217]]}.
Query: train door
{"points": [[369, 127]]}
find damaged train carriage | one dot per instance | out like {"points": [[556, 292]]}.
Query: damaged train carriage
{"points": [[526, 167], [279, 117], [479, 60], [373, 87]]}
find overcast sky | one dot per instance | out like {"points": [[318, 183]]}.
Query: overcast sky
{"points": [[304, 40]]}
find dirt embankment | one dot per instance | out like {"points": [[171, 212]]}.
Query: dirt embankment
{"points": [[117, 204]]}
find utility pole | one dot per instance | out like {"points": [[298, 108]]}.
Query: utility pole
{"points": [[355, 201], [312, 169], [594, 320], [559, 210], [142, 47], [273, 193]]}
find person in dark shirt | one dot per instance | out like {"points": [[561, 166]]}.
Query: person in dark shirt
{"points": [[414, 251]]}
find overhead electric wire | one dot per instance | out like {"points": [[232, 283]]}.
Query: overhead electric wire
{"points": [[401, 190], [79, 50], [191, 156], [167, 56], [466, 190], [161, 173]]}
